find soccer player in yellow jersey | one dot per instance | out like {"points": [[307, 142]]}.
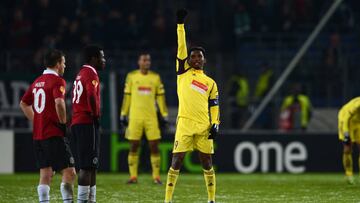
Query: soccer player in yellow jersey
{"points": [[198, 114], [349, 134], [143, 89]]}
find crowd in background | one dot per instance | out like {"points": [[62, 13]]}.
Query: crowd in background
{"points": [[28, 27]]}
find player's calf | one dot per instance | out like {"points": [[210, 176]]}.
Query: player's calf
{"points": [[67, 185], [43, 188]]}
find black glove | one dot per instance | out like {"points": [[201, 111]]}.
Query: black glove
{"points": [[214, 131], [346, 140], [180, 15], [96, 122], [163, 122], [124, 121], [62, 127]]}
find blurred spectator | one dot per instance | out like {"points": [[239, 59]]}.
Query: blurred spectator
{"points": [[288, 15], [332, 65], [344, 18], [71, 38], [238, 99], [264, 82], [113, 29], [263, 13], [20, 30], [44, 20], [296, 110], [132, 30], [263, 86], [241, 20]]}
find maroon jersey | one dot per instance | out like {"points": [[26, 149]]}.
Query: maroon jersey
{"points": [[41, 96], [86, 84]]}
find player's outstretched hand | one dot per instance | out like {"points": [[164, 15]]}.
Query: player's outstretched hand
{"points": [[124, 121], [346, 140], [181, 15], [214, 131]]}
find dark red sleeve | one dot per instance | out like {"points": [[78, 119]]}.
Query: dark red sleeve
{"points": [[91, 85], [28, 97], [59, 89]]}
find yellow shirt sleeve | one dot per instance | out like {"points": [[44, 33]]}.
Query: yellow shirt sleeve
{"points": [[127, 97], [214, 105], [160, 98], [181, 62]]}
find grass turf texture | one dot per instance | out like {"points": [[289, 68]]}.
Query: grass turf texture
{"points": [[191, 188]]}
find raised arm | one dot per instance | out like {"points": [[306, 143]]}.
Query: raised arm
{"points": [[181, 65]]}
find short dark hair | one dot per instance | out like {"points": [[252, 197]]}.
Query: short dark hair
{"points": [[52, 57], [91, 51], [197, 49], [142, 53]]}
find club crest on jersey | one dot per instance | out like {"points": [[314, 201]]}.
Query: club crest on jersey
{"points": [[95, 83], [144, 90], [199, 87], [62, 90]]}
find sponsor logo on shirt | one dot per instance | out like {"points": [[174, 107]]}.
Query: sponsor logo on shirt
{"points": [[144, 90], [199, 87]]}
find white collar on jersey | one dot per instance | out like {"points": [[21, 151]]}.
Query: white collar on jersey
{"points": [[49, 71], [92, 68]]}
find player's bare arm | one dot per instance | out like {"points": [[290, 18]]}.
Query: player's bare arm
{"points": [[28, 111], [60, 110]]}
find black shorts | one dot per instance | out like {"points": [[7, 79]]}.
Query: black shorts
{"points": [[87, 143], [53, 152]]}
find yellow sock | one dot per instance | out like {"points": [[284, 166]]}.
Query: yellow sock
{"points": [[170, 184], [155, 165], [348, 164], [210, 181], [133, 162]]}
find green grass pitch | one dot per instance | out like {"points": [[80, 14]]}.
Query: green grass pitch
{"points": [[191, 188]]}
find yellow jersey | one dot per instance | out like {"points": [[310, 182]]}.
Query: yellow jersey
{"points": [[141, 93], [197, 92], [349, 112]]}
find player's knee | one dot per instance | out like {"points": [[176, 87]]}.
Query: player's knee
{"points": [[177, 160], [154, 147], [347, 149], [206, 161], [134, 146], [69, 174]]}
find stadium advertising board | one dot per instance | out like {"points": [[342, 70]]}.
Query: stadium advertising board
{"points": [[234, 153]]}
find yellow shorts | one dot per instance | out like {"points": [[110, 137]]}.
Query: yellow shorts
{"points": [[354, 131], [192, 135], [137, 127]]}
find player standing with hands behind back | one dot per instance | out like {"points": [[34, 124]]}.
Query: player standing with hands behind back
{"points": [[143, 90], [44, 105], [198, 115], [85, 121]]}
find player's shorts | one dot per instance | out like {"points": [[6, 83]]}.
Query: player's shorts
{"points": [[137, 127], [354, 128], [53, 152], [87, 142], [354, 131], [192, 135]]}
